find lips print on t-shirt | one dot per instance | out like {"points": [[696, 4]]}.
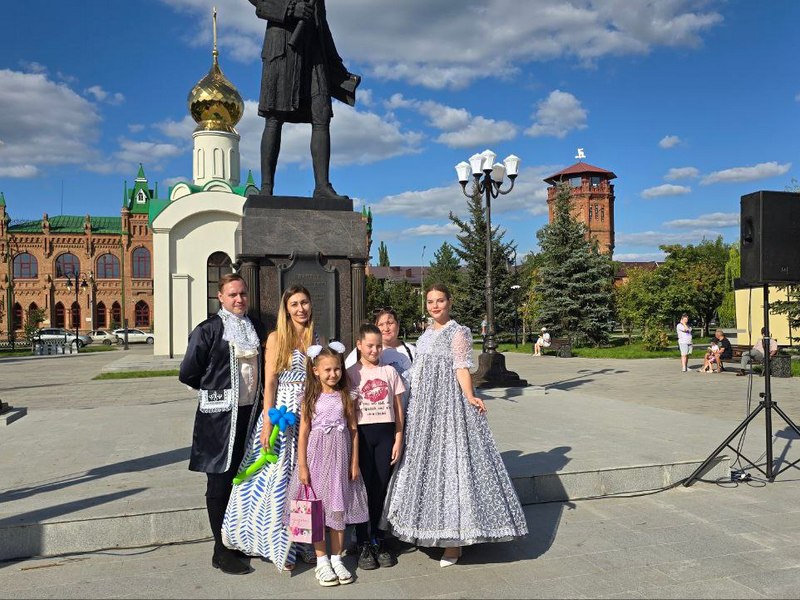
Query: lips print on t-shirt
{"points": [[375, 390]]}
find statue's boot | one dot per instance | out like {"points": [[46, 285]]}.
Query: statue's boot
{"points": [[321, 159], [326, 192]]}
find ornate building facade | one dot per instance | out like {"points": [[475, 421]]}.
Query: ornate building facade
{"points": [[42, 261], [592, 200]]}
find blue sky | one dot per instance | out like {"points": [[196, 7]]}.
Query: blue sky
{"points": [[692, 103]]}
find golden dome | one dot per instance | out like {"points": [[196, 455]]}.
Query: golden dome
{"points": [[214, 103]]}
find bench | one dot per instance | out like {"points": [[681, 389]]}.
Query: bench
{"points": [[561, 346], [780, 364]]}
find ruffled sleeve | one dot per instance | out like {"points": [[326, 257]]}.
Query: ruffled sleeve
{"points": [[462, 348]]}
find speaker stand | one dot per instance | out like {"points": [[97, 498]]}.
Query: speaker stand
{"points": [[767, 405]]}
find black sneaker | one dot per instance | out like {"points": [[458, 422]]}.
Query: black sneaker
{"points": [[366, 557], [385, 558]]}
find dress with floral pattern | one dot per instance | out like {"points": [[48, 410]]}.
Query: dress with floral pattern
{"points": [[451, 487]]}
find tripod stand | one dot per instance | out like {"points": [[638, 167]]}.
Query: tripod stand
{"points": [[767, 405]]}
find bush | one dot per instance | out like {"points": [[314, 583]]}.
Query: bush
{"points": [[655, 338]]}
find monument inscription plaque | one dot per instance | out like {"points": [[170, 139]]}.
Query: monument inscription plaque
{"points": [[307, 270]]}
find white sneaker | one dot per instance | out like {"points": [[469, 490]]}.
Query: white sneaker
{"points": [[326, 576], [342, 573]]}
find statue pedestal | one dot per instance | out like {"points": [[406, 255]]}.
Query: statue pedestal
{"points": [[319, 244], [492, 373]]}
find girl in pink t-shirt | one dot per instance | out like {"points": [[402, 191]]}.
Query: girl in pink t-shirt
{"points": [[379, 391]]}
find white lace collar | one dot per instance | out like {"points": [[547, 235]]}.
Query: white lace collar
{"points": [[240, 333]]}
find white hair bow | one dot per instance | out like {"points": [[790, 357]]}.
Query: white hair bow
{"points": [[313, 351]]}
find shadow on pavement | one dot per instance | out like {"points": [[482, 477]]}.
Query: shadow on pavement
{"points": [[135, 465], [583, 377]]}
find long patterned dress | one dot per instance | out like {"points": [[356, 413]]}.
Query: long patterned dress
{"points": [[254, 520], [451, 487]]}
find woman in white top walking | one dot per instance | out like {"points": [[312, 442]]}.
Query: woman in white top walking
{"points": [[684, 341]]}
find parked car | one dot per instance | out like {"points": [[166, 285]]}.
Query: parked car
{"points": [[59, 334], [135, 336], [102, 336]]}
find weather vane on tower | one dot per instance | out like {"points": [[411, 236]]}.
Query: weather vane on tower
{"points": [[580, 155]]}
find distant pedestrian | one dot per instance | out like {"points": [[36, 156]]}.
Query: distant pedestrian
{"points": [[684, 341], [225, 344], [757, 352]]}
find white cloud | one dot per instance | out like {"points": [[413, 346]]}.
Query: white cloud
{"points": [[666, 189], [640, 256], [102, 95], [19, 171], [669, 141], [417, 41], [716, 219], [181, 130], [170, 181], [738, 174], [132, 152], [443, 230], [682, 173], [135, 127], [461, 128], [357, 137], [33, 67], [659, 238], [557, 115], [43, 122], [797, 97], [529, 195]]}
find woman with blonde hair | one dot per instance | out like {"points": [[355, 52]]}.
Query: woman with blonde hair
{"points": [[254, 520]]}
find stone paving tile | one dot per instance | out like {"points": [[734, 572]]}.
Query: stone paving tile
{"points": [[709, 588], [620, 581], [707, 568], [778, 583], [781, 558]]}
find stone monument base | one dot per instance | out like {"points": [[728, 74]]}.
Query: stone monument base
{"points": [[492, 373], [319, 244]]}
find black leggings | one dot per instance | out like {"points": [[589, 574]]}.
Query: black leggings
{"points": [[375, 443]]}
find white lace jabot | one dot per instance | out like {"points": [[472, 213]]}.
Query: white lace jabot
{"points": [[240, 333]]}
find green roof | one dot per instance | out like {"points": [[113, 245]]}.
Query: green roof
{"points": [[70, 224], [2, 199]]}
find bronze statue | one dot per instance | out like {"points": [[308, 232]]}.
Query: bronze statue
{"points": [[302, 71]]}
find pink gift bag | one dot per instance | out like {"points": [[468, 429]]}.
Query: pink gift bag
{"points": [[306, 518]]}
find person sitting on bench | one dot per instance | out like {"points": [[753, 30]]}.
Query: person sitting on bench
{"points": [[757, 352], [725, 351], [543, 341]]}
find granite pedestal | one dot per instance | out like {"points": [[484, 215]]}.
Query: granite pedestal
{"points": [[319, 244]]}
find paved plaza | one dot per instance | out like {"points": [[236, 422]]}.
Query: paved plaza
{"points": [[109, 457]]}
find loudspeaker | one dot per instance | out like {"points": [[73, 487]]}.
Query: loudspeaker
{"points": [[770, 238]]}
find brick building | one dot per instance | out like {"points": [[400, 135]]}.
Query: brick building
{"points": [[592, 200], [113, 255]]}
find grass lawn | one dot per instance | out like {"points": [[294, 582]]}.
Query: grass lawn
{"points": [[137, 374], [617, 348]]}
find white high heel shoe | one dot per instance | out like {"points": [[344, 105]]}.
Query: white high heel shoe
{"points": [[449, 561]]}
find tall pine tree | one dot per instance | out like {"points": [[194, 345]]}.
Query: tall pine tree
{"points": [[444, 268], [573, 294], [470, 296], [383, 255]]}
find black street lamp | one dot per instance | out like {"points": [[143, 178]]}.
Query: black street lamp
{"points": [[78, 288], [515, 288], [488, 177]]}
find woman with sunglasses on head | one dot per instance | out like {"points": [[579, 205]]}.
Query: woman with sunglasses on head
{"points": [[451, 488], [396, 353]]}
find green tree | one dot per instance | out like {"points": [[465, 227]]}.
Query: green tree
{"points": [[573, 294], [733, 269], [469, 306], [377, 297], [383, 255], [444, 268], [404, 298], [32, 321], [636, 299]]}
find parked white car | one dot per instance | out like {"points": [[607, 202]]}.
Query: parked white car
{"points": [[135, 336], [59, 334], [103, 336]]}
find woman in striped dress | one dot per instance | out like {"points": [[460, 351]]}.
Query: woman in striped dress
{"points": [[255, 518]]}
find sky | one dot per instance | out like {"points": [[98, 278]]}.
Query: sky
{"points": [[691, 103]]}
